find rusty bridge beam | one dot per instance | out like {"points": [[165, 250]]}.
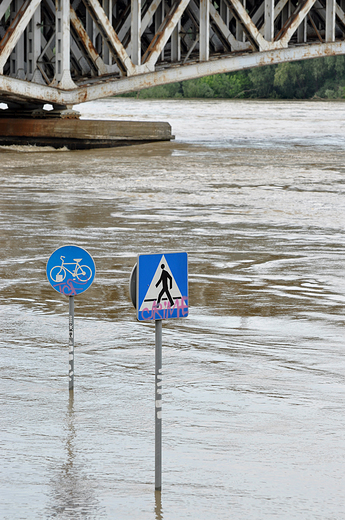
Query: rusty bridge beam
{"points": [[38, 93], [68, 46]]}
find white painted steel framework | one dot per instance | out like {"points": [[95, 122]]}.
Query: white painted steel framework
{"points": [[65, 52]]}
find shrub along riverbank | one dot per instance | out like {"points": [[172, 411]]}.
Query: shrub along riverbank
{"points": [[321, 78]]}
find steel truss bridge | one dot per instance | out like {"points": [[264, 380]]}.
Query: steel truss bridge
{"points": [[66, 52]]}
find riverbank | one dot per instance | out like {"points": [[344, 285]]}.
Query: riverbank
{"points": [[321, 78]]}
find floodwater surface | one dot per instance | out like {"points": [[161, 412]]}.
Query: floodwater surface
{"points": [[253, 379]]}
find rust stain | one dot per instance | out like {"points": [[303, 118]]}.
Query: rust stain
{"points": [[295, 19], [13, 24], [165, 27]]}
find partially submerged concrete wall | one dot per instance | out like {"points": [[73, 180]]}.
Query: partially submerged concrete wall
{"points": [[79, 134]]}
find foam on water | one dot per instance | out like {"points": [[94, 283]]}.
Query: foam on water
{"points": [[32, 149]]}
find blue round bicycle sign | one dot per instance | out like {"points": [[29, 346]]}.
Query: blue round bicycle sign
{"points": [[71, 270]]}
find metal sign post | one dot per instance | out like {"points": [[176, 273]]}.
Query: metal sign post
{"points": [[70, 271], [71, 343], [158, 403], [158, 288]]}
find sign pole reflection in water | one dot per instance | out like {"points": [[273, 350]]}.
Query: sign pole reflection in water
{"points": [[70, 271], [158, 288]]}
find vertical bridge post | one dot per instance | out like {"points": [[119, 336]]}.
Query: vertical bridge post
{"points": [[136, 31], [330, 20], [204, 30], [34, 47], [269, 20], [63, 77]]}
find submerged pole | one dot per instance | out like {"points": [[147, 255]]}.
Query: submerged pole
{"points": [[158, 405], [71, 343]]}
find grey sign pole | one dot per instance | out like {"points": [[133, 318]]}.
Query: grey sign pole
{"points": [[71, 343], [158, 406]]}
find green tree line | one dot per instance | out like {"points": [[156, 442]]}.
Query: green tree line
{"points": [[320, 78]]}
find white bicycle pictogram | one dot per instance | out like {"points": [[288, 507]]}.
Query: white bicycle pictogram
{"points": [[82, 273]]}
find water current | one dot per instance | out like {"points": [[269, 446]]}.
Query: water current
{"points": [[253, 379]]}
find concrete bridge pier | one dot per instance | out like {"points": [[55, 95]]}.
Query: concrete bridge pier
{"points": [[31, 124], [68, 130]]}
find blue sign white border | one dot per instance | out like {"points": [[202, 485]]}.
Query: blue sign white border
{"points": [[70, 291], [181, 304]]}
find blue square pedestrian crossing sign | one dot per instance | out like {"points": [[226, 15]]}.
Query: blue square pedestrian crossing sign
{"points": [[162, 286]]}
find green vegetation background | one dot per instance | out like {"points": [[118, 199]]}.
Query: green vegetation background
{"points": [[321, 78]]}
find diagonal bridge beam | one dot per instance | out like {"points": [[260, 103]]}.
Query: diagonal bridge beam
{"points": [[15, 31]]}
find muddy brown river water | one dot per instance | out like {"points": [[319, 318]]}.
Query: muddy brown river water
{"points": [[253, 379]]}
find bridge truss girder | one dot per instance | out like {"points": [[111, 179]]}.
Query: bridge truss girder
{"points": [[65, 52]]}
